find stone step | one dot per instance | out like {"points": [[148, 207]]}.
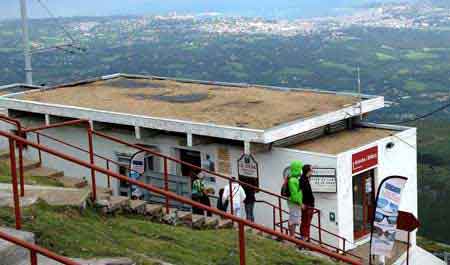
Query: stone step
{"points": [[137, 206], [27, 164], [154, 210], [113, 204], [10, 253], [44, 172], [4, 154], [224, 223], [197, 221], [72, 182], [211, 221]]}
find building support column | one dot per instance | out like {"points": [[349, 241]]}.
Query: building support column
{"points": [[137, 132], [247, 150], [47, 119], [189, 140]]}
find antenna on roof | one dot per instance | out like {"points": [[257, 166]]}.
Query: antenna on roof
{"points": [[359, 94], [26, 42]]}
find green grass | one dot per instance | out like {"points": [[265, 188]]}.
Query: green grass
{"points": [[384, 57], [88, 234], [415, 86], [30, 180], [337, 66], [432, 246], [418, 56]]}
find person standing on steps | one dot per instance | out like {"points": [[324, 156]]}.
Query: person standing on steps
{"points": [[249, 203], [199, 194], [308, 202], [238, 195], [295, 196]]}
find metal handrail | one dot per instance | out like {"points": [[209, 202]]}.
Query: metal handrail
{"points": [[35, 250], [108, 160], [165, 157], [241, 222]]}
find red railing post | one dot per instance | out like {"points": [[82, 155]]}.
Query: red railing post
{"points": [[21, 176], [231, 196], [320, 226], [38, 138], [33, 257], [12, 158], [280, 214], [166, 183], [274, 218], [91, 159], [343, 245], [241, 244], [108, 176]]}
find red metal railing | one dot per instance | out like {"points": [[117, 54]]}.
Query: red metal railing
{"points": [[92, 154], [241, 222], [109, 161], [37, 250]]}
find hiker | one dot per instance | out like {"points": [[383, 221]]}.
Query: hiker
{"points": [[238, 194], [308, 202], [199, 194], [291, 190], [249, 202], [220, 204]]}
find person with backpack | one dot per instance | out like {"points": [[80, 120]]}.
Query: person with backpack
{"points": [[238, 194], [291, 190], [308, 202]]}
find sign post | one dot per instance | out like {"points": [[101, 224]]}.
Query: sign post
{"points": [[407, 222]]}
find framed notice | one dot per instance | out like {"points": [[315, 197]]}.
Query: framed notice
{"points": [[323, 180], [248, 167]]}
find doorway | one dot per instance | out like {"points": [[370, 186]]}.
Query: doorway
{"points": [[363, 203], [191, 157]]}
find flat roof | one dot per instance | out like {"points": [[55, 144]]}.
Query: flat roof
{"points": [[343, 141], [244, 112]]}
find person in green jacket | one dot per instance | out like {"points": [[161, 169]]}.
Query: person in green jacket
{"points": [[296, 197]]}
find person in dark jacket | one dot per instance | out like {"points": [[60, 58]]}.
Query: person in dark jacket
{"points": [[308, 202], [249, 203]]}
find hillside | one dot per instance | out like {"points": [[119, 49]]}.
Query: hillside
{"points": [[89, 234]]}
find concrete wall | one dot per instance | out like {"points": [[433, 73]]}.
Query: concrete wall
{"points": [[400, 160]]}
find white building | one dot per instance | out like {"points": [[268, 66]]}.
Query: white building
{"points": [[213, 124]]}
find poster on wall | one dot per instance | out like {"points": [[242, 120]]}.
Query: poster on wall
{"points": [[247, 166], [384, 225], [323, 180], [137, 168]]}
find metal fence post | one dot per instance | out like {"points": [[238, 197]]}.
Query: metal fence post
{"points": [[320, 227], [91, 159], [33, 257], [38, 138], [12, 158], [108, 176], [21, 176], [281, 214], [231, 197], [241, 244], [166, 183]]}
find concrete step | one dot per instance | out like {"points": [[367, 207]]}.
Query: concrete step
{"points": [[154, 210], [197, 221], [211, 222], [113, 204], [44, 172], [10, 253], [224, 223], [4, 154], [137, 206], [72, 182], [27, 164]]}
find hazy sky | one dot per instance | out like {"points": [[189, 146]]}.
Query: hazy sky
{"points": [[10, 8]]}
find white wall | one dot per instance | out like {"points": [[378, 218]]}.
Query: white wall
{"points": [[401, 160]]}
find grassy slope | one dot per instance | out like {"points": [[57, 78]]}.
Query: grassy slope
{"points": [[88, 234], [31, 180]]}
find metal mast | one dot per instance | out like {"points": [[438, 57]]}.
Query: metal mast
{"points": [[26, 42], [359, 95]]}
